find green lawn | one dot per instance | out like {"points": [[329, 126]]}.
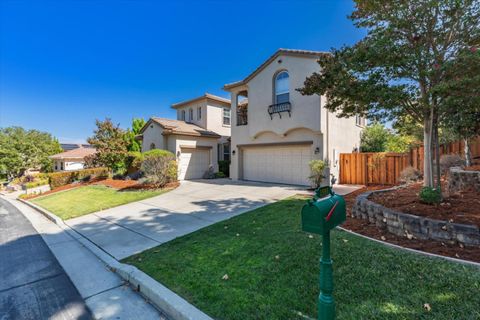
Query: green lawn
{"points": [[83, 200], [272, 269]]}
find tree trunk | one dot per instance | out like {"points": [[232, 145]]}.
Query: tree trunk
{"points": [[427, 152], [468, 153], [437, 158]]}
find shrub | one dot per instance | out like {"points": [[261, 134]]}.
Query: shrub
{"points": [[220, 175], [224, 167], [430, 195], [34, 184], [58, 179], [159, 167], [410, 174], [450, 160], [133, 161], [317, 169]]}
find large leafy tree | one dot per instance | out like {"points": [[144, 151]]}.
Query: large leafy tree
{"points": [[460, 92], [22, 149], [132, 143], [108, 140], [394, 70]]}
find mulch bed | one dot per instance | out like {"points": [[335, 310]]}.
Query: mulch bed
{"points": [[364, 227], [473, 168], [462, 207]]}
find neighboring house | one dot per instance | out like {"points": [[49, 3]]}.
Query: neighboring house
{"points": [[277, 130], [72, 159], [71, 146], [199, 137]]}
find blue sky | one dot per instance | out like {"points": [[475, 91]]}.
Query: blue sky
{"points": [[64, 64]]}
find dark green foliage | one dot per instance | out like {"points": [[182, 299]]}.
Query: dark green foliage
{"points": [[219, 175], [58, 179], [224, 167], [159, 167], [430, 195], [133, 161], [374, 138], [273, 269], [22, 149]]}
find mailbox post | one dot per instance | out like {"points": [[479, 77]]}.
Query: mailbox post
{"points": [[320, 215]]}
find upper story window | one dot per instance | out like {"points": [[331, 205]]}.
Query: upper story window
{"points": [[182, 115], [199, 113], [226, 116], [360, 121], [190, 114], [282, 91]]}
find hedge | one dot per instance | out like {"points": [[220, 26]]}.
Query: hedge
{"points": [[38, 183], [58, 179], [224, 167]]}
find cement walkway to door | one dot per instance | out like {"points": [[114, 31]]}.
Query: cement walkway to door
{"points": [[125, 230]]}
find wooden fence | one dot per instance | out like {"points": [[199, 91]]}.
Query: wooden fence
{"points": [[384, 168]]}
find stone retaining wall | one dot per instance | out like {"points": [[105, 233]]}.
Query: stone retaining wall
{"points": [[404, 224], [460, 180]]}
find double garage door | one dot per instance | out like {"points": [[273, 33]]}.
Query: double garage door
{"points": [[193, 163], [277, 164]]}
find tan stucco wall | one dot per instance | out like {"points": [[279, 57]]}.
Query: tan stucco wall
{"points": [[307, 121], [153, 134], [194, 106]]}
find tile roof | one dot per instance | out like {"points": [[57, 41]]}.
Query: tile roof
{"points": [[289, 52], [181, 127], [205, 96], [78, 153]]}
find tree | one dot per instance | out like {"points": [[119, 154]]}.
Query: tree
{"points": [[461, 97], [393, 71], [133, 144], [22, 149], [108, 140], [374, 138]]}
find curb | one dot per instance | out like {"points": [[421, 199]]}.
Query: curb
{"points": [[160, 296], [428, 254]]}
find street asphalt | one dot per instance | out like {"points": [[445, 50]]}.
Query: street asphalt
{"points": [[33, 285]]}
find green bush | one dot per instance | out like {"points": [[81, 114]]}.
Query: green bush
{"points": [[133, 161], [224, 167], [219, 175], [58, 179], [159, 167], [317, 169], [430, 195], [36, 183]]}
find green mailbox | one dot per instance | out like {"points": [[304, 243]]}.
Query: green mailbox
{"points": [[320, 215], [324, 212]]}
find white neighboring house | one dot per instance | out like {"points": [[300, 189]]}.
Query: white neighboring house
{"points": [[276, 130], [199, 137], [72, 159]]}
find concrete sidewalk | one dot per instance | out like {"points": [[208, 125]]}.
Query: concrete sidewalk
{"points": [[125, 230], [104, 292]]}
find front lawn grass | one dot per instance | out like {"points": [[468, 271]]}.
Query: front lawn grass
{"points": [[272, 269], [87, 199]]}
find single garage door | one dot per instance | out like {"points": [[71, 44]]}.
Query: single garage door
{"points": [[193, 163], [282, 164]]}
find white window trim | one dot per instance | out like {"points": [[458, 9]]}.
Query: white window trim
{"points": [[229, 117]]}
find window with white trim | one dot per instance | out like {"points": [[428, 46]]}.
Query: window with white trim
{"points": [[182, 115], [360, 121], [199, 113], [282, 90], [190, 114], [226, 151], [226, 116]]}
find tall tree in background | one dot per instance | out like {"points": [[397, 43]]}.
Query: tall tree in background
{"points": [[111, 146], [130, 134], [460, 92], [394, 70], [22, 149]]}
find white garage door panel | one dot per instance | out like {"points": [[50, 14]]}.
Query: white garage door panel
{"points": [[193, 163], [286, 164]]}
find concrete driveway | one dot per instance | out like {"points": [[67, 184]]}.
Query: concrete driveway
{"points": [[125, 230]]}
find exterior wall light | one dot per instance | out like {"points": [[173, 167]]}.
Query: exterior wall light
{"points": [[317, 150]]}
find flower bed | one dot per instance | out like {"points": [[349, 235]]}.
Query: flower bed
{"points": [[413, 226]]}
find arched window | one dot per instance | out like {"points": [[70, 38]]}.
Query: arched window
{"points": [[152, 146], [282, 91], [190, 114], [182, 115]]}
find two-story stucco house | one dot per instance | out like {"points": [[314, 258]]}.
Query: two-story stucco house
{"points": [[276, 130], [199, 137]]}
